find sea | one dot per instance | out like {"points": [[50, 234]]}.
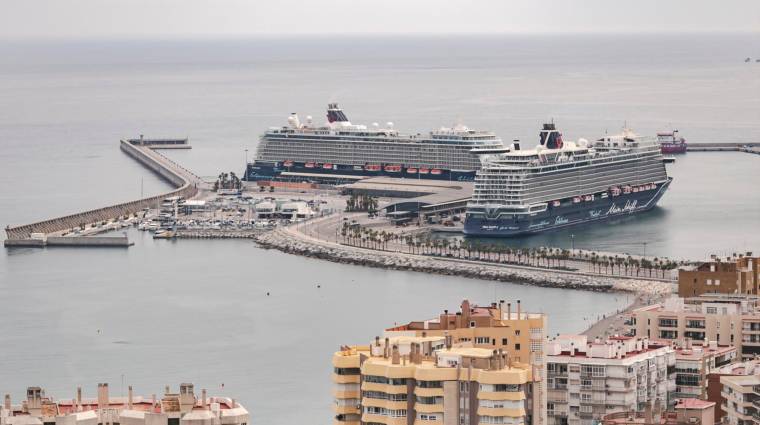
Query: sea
{"points": [[259, 325]]}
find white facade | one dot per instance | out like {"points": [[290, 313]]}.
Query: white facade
{"points": [[587, 380]]}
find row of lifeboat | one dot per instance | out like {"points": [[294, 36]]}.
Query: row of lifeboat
{"points": [[370, 167], [614, 191]]}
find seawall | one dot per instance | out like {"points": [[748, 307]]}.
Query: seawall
{"points": [[185, 182], [290, 241]]}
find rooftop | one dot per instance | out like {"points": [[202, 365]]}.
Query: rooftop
{"points": [[615, 347], [693, 403]]}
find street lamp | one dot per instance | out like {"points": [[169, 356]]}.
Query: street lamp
{"points": [[246, 165], [572, 243]]}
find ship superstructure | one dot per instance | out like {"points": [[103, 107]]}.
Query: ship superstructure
{"points": [[303, 151], [671, 142], [562, 183]]}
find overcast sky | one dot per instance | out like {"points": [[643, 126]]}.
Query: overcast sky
{"points": [[201, 18]]}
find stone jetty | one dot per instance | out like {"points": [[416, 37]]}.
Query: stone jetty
{"points": [[291, 241], [185, 182]]}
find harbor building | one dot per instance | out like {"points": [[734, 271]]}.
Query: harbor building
{"points": [[715, 388], [723, 318], [181, 408], [480, 365], [694, 363], [735, 275], [688, 411], [587, 380], [742, 399]]}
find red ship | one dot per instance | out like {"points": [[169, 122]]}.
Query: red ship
{"points": [[671, 142]]}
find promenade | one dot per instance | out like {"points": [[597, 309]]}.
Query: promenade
{"points": [[303, 239]]}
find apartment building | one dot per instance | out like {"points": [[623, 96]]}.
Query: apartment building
{"points": [[587, 380], [694, 362], [715, 388], [686, 412], [479, 365], [723, 318], [182, 408], [734, 275], [742, 399]]}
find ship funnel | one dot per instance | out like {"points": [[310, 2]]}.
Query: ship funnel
{"points": [[549, 137], [335, 114]]}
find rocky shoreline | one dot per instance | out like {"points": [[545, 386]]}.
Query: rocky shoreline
{"points": [[293, 242]]}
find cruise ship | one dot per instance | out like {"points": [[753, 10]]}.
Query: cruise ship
{"points": [[563, 183], [305, 152]]}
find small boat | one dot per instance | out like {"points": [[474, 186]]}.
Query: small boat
{"points": [[309, 165], [604, 195], [373, 167], [436, 172], [424, 170], [577, 200], [164, 234], [555, 203], [392, 168], [411, 171], [287, 163], [327, 166]]}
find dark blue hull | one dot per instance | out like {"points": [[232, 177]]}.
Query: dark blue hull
{"points": [[261, 170], [566, 215]]}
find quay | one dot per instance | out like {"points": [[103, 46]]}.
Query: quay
{"points": [[723, 147], [180, 408], [144, 151]]}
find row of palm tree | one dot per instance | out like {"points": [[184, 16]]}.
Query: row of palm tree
{"points": [[361, 203], [227, 181], [556, 258]]}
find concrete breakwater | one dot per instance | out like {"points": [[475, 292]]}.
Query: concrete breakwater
{"points": [[185, 182], [290, 241]]}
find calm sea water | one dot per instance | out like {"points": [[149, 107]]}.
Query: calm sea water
{"points": [[197, 311]]}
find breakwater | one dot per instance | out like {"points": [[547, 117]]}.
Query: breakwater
{"points": [[186, 184], [293, 242], [719, 147]]}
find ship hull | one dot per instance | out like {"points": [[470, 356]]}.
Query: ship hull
{"points": [[566, 216], [267, 171], [673, 148]]}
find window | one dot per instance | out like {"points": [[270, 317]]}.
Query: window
{"points": [[717, 282], [536, 346], [503, 341], [347, 371], [482, 340], [517, 332], [472, 324], [428, 417], [712, 310], [517, 346], [709, 282]]}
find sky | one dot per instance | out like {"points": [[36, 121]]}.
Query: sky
{"points": [[134, 19]]}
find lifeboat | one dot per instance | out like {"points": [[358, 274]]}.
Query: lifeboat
{"points": [[373, 167], [615, 191], [288, 163], [436, 172], [555, 203], [424, 170], [587, 198], [309, 165], [358, 168], [392, 168], [635, 189], [411, 171], [626, 189], [577, 200], [327, 166]]}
